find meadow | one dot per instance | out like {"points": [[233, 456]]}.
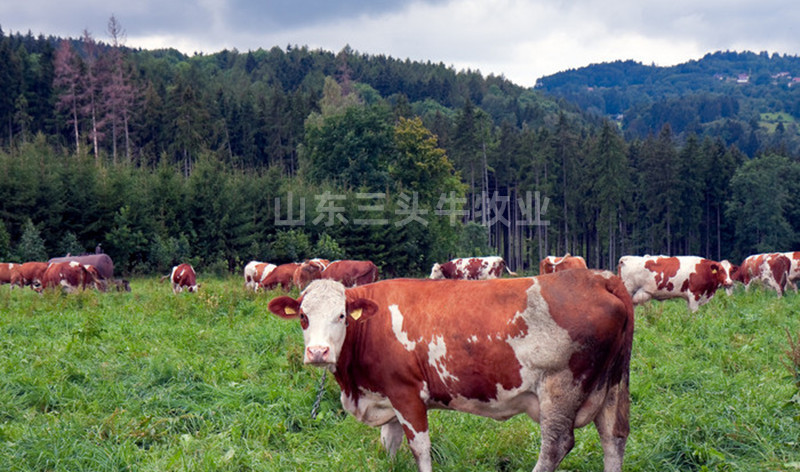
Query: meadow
{"points": [[151, 381]]}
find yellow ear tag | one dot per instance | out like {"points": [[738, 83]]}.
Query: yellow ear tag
{"points": [[356, 314], [289, 311], [713, 271]]}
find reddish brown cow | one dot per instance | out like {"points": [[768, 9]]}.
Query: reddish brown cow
{"points": [[551, 264], [282, 275], [310, 269], [662, 277], [9, 274], [556, 347], [771, 269], [255, 272], [794, 271], [103, 263], [72, 276], [471, 268], [31, 274], [182, 278], [351, 273]]}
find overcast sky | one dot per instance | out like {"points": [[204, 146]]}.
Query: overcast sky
{"points": [[522, 40]]}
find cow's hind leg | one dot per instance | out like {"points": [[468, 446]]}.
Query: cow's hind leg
{"points": [[559, 402]]}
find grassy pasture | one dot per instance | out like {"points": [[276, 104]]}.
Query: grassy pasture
{"points": [[150, 381]]}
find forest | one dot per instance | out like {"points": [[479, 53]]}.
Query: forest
{"points": [[285, 153]]}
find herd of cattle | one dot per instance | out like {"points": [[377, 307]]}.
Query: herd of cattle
{"points": [[556, 347]]}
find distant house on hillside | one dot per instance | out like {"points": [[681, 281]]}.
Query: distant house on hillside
{"points": [[743, 79]]}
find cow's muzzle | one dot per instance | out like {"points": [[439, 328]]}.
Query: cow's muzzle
{"points": [[318, 355]]}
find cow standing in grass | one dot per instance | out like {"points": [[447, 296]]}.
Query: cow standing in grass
{"points": [[556, 347], [182, 278]]}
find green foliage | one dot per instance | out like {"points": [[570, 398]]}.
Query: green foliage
{"points": [[327, 248], [290, 246], [31, 244], [5, 242], [69, 244]]}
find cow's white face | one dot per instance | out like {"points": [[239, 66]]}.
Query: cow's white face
{"points": [[324, 319], [324, 312], [436, 271]]}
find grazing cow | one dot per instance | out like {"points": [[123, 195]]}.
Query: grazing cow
{"points": [[72, 276], [255, 272], [31, 274], [551, 264], [771, 269], [282, 275], [351, 273], [794, 272], [471, 268], [9, 274], [182, 278], [662, 277], [103, 263], [310, 269], [556, 347]]}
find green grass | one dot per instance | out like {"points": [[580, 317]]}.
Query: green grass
{"points": [[150, 381]]}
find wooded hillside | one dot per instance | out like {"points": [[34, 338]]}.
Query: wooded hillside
{"points": [[283, 154]]}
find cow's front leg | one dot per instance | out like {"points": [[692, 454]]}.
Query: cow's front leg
{"points": [[413, 416]]}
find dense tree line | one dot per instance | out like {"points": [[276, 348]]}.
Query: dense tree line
{"points": [[284, 154]]}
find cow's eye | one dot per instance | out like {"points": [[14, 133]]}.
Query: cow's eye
{"points": [[342, 316], [303, 320]]}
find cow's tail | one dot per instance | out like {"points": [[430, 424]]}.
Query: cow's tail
{"points": [[620, 366], [510, 272], [163, 278]]}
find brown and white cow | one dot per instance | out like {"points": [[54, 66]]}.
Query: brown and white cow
{"points": [[551, 264], [310, 269], [32, 273], [471, 268], [103, 263], [9, 274], [771, 269], [692, 278], [282, 275], [72, 276], [182, 277], [556, 347], [794, 271], [255, 272], [351, 272]]}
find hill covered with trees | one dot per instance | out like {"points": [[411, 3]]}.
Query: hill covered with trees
{"points": [[747, 99], [285, 153]]}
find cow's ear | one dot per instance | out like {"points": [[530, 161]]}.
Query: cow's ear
{"points": [[285, 307], [361, 309], [715, 267]]}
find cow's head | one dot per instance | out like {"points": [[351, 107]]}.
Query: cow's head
{"points": [[720, 274], [324, 312], [436, 271]]}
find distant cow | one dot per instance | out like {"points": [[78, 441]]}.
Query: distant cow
{"points": [[772, 269], [310, 269], [692, 278], [255, 272], [731, 270], [9, 274], [794, 271], [182, 278], [31, 274], [556, 347], [471, 268], [282, 275], [551, 264], [351, 273], [104, 264], [72, 276]]}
